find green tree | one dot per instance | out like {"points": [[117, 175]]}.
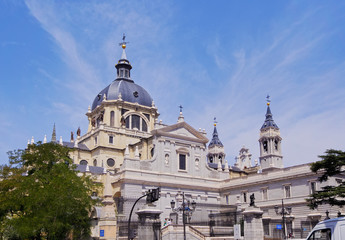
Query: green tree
{"points": [[330, 164], [42, 196]]}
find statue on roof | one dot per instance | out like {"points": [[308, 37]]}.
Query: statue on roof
{"points": [[252, 200]]}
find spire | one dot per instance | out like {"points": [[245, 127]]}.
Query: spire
{"points": [[269, 122], [215, 140], [54, 134]]}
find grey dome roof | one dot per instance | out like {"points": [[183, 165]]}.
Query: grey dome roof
{"points": [[130, 92]]}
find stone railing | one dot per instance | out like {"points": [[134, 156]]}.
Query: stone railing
{"points": [[196, 232]]}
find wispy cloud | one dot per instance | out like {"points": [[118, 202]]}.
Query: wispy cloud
{"points": [[231, 85], [299, 98], [84, 77]]}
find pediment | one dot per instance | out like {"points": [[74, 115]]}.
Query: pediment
{"points": [[181, 130]]}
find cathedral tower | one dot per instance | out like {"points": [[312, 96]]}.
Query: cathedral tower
{"points": [[216, 155], [121, 119], [270, 142]]}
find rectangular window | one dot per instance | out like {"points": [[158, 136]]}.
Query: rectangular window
{"points": [[227, 199], [111, 139], [244, 196], [264, 194], [312, 187], [182, 161], [287, 190], [95, 140], [266, 225]]}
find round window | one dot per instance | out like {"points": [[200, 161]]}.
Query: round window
{"points": [[110, 162], [83, 162]]}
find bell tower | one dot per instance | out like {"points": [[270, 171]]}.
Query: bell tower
{"points": [[270, 142], [216, 155]]}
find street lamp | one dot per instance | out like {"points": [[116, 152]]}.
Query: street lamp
{"points": [[284, 211], [186, 211]]}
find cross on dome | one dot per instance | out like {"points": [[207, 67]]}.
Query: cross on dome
{"points": [[268, 99], [180, 108], [123, 43]]}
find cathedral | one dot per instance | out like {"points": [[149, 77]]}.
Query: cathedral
{"points": [[130, 152]]}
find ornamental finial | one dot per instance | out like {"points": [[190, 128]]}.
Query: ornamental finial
{"points": [[268, 100], [215, 121], [123, 43]]}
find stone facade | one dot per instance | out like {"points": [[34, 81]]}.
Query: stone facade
{"points": [[130, 152]]}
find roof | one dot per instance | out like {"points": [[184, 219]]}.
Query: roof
{"points": [[189, 134], [269, 122], [215, 140], [215, 166], [93, 169], [130, 92], [81, 146]]}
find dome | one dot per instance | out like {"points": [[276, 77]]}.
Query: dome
{"points": [[130, 92]]}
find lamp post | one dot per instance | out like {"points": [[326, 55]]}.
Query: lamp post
{"points": [[284, 211], [186, 211]]}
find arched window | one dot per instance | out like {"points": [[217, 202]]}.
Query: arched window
{"points": [[197, 163], [143, 125], [265, 145], [211, 159], [83, 162], [95, 163], [136, 122], [276, 144], [110, 162], [166, 159], [152, 151], [112, 116]]}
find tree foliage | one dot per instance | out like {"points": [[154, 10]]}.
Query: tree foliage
{"points": [[41, 195], [330, 164]]}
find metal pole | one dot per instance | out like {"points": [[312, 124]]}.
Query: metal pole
{"points": [[130, 215], [183, 217], [283, 212]]}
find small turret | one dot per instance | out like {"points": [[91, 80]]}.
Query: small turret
{"points": [[270, 142], [216, 155]]}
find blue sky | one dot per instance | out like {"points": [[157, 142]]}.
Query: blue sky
{"points": [[218, 59]]}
